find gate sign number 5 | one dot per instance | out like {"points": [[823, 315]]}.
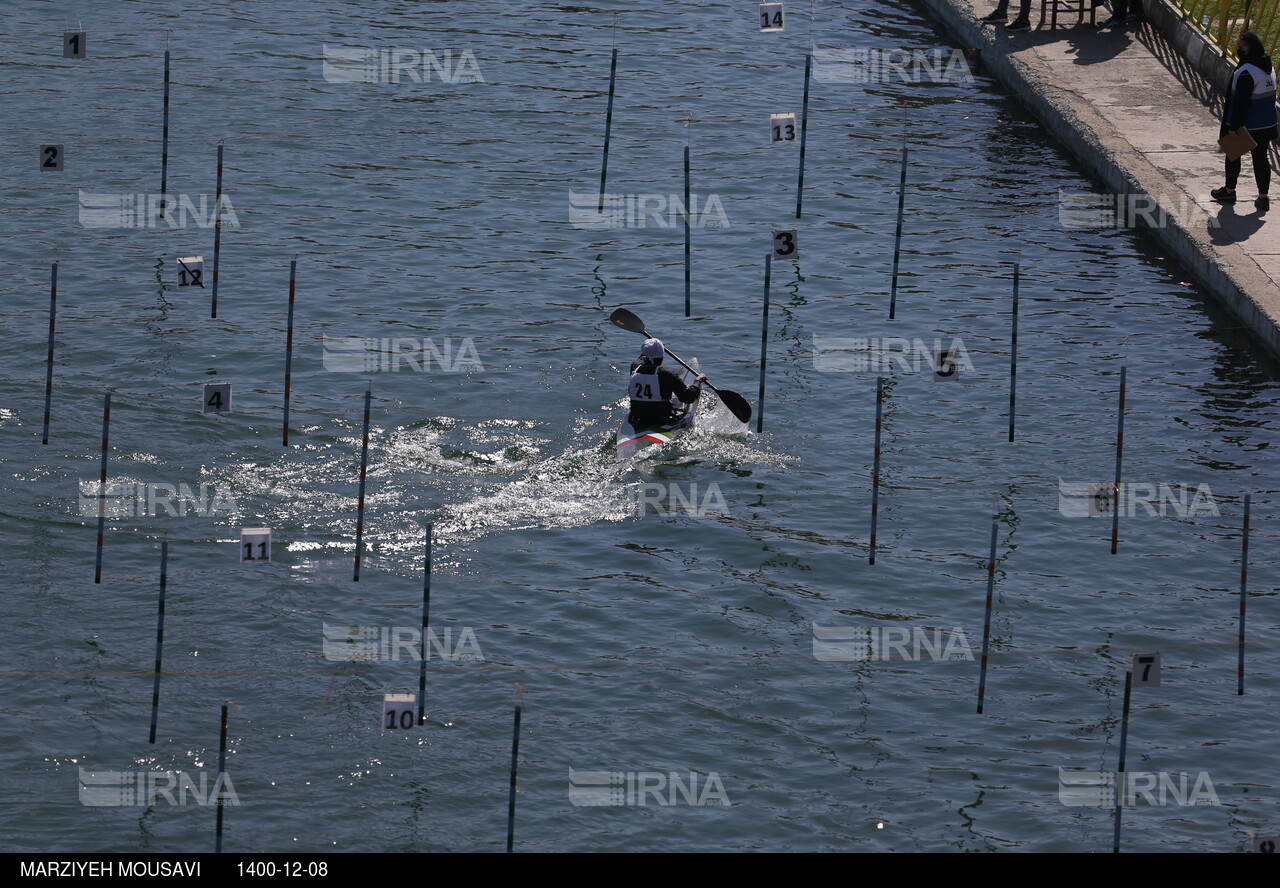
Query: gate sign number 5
{"points": [[255, 544], [782, 128], [773, 17], [51, 158], [397, 711], [73, 45], [785, 245], [1146, 670], [217, 397]]}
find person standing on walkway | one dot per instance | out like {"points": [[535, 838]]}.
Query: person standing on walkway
{"points": [[1251, 104], [1021, 23], [1120, 14]]}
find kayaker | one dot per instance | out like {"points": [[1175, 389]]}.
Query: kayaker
{"points": [[652, 385]]}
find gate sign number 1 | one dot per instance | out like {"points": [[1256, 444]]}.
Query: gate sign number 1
{"points": [[782, 128], [73, 45], [191, 272], [51, 158], [217, 397], [255, 544], [1146, 670], [773, 17], [398, 711], [785, 245]]}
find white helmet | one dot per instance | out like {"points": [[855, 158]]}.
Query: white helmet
{"points": [[652, 349]]}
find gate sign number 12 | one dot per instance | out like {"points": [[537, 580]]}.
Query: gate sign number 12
{"points": [[782, 128], [1146, 670], [773, 17], [255, 544]]}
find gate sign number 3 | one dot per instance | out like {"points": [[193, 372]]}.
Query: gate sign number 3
{"points": [[1146, 670], [217, 397], [255, 544], [785, 245], [397, 711], [773, 17], [51, 158], [782, 128], [73, 45]]}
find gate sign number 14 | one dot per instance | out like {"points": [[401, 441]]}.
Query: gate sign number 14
{"points": [[255, 544], [1146, 670], [782, 128], [773, 17]]}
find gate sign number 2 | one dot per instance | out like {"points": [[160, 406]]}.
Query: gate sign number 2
{"points": [[51, 158], [217, 397], [782, 128], [785, 245], [773, 17], [73, 45], [398, 711], [255, 544], [191, 272], [1146, 670]]}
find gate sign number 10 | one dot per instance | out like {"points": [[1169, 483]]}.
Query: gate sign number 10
{"points": [[773, 17], [397, 712], [782, 128], [1146, 670], [73, 45], [255, 544]]}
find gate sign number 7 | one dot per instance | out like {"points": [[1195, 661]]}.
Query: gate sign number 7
{"points": [[1146, 670]]}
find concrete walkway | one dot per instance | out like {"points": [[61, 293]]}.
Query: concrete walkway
{"points": [[1145, 123]]}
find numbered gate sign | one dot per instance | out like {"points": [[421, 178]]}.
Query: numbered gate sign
{"points": [[51, 158], [783, 128], [255, 544], [73, 45], [785, 244], [398, 711], [773, 17], [1266, 844], [944, 366], [217, 397], [1146, 670], [191, 272]]}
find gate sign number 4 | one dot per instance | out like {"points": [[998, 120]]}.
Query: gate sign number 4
{"points": [[255, 544], [217, 397], [782, 128], [73, 45], [398, 711], [191, 272], [51, 158], [773, 17], [785, 245], [1146, 670]]}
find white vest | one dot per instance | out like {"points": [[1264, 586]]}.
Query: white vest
{"points": [[645, 386]]}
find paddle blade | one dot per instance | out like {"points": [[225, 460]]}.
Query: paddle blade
{"points": [[737, 404], [627, 321]]}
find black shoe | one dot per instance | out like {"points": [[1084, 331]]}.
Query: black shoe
{"points": [[995, 18], [1222, 195], [1112, 22], [1263, 203], [1019, 24], [1135, 17]]}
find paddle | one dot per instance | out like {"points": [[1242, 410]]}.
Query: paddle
{"points": [[737, 404]]}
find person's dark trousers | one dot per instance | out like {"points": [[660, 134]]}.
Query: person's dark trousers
{"points": [[1119, 8], [1024, 9], [1261, 163]]}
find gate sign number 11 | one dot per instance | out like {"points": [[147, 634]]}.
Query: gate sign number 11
{"points": [[773, 17], [782, 128], [1146, 670], [255, 544]]}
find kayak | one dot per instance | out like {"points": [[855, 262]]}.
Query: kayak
{"points": [[632, 441]]}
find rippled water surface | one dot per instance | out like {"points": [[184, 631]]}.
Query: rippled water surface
{"points": [[643, 642]]}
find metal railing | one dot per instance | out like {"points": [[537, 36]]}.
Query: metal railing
{"points": [[1223, 21]]}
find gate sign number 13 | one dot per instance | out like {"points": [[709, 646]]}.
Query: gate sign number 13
{"points": [[773, 17], [782, 128], [1146, 670], [255, 544]]}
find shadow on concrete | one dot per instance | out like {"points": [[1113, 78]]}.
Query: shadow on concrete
{"points": [[1088, 45], [1233, 228]]}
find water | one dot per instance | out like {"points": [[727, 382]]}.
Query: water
{"points": [[679, 643]]}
